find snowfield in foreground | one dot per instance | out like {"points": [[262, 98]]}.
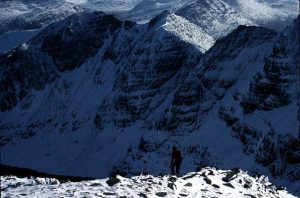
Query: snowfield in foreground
{"points": [[208, 182]]}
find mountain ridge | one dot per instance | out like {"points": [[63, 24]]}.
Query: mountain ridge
{"points": [[139, 90]]}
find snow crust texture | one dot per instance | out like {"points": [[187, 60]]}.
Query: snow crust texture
{"points": [[208, 183]]}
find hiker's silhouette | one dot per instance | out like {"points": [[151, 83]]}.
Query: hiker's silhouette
{"points": [[175, 161]]}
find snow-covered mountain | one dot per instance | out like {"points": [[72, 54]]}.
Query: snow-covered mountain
{"points": [[93, 95], [25, 18], [147, 9], [220, 17], [218, 99], [111, 6], [217, 17], [33, 14], [208, 182], [273, 14], [115, 59]]}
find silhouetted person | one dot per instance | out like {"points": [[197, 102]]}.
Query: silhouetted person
{"points": [[176, 161]]}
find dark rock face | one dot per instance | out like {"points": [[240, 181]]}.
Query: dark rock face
{"points": [[208, 181], [215, 185], [83, 37], [205, 84], [240, 37], [20, 69], [269, 90], [199, 87], [59, 48], [112, 181], [143, 73], [185, 106], [289, 149], [229, 47], [274, 87], [230, 176], [280, 153], [188, 184], [142, 195], [266, 153], [161, 194], [171, 186]]}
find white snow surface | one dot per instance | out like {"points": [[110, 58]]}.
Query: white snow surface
{"points": [[205, 183], [186, 31], [268, 12], [219, 17], [189, 32]]}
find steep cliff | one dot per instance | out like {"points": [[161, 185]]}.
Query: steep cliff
{"points": [[94, 95]]}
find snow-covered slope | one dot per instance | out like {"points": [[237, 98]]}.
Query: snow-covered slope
{"points": [[147, 9], [112, 6], [94, 95], [32, 14], [184, 29], [128, 61], [216, 18], [219, 17], [208, 182], [269, 13], [210, 107]]}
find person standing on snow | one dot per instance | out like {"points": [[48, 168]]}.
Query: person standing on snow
{"points": [[175, 161]]}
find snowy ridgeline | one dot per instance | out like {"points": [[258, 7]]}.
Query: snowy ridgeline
{"points": [[94, 89], [208, 182], [218, 17], [129, 92]]}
